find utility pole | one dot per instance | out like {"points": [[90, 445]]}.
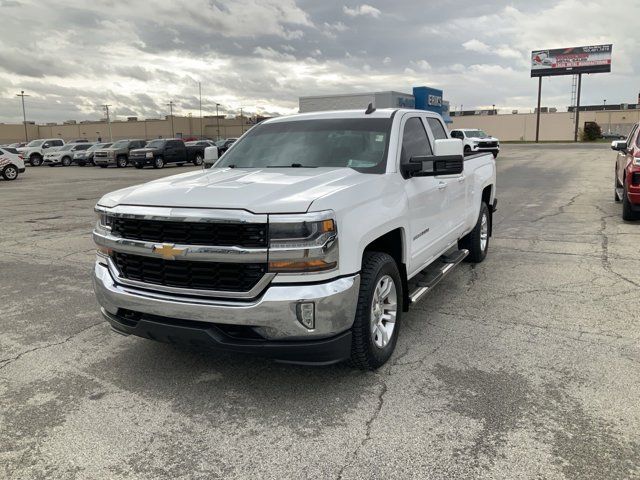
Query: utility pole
{"points": [[218, 121], [170, 104], [241, 121], [575, 132], [538, 109], [604, 104], [106, 108], [24, 115], [200, 92]]}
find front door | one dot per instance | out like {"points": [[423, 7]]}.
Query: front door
{"points": [[426, 198]]}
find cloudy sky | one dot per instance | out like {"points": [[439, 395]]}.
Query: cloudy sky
{"points": [[73, 55]]}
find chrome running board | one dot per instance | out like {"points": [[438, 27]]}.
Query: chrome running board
{"points": [[422, 283]]}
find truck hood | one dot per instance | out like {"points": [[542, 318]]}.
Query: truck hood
{"points": [[269, 190], [483, 139], [145, 150]]}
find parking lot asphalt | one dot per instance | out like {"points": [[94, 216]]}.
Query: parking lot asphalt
{"points": [[524, 366]]}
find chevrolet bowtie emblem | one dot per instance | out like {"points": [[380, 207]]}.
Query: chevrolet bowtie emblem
{"points": [[168, 251]]}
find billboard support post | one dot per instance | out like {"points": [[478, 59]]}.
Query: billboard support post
{"points": [[575, 132], [538, 109]]}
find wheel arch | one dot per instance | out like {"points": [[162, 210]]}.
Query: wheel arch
{"points": [[393, 244]]}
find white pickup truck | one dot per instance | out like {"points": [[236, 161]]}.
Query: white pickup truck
{"points": [[305, 242], [34, 151]]}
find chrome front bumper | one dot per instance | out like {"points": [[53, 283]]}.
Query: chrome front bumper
{"points": [[273, 315]]}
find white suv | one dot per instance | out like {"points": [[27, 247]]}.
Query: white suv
{"points": [[475, 140], [11, 163]]}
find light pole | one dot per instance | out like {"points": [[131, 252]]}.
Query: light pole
{"points": [[241, 121], [218, 121], [106, 108], [604, 104], [24, 115], [200, 92], [170, 104]]}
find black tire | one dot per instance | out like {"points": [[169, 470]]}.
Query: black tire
{"points": [[10, 172], [473, 240], [365, 354], [495, 154], [122, 161], [158, 162], [198, 160], [627, 211], [51, 164], [467, 150], [66, 161], [35, 160], [138, 166], [81, 164], [103, 166]]}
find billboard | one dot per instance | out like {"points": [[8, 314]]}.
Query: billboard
{"points": [[571, 61]]}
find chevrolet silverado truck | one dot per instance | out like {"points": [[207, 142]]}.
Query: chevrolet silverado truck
{"points": [[117, 153], [162, 151], [305, 242], [627, 174], [35, 150], [475, 141]]}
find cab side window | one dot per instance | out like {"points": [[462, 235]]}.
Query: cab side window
{"points": [[414, 141], [436, 128], [631, 136]]}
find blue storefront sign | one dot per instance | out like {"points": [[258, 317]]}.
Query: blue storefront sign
{"points": [[428, 98]]}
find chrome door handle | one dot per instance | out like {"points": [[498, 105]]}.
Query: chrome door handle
{"points": [[461, 179], [442, 185]]}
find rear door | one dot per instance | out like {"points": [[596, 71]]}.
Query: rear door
{"points": [[426, 197], [456, 188], [623, 158]]}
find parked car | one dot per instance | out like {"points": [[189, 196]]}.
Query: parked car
{"points": [[305, 242], [85, 157], [34, 151], [117, 154], [11, 163], [195, 150], [223, 145], [613, 136], [64, 155], [475, 140], [627, 174], [17, 145], [160, 152]]}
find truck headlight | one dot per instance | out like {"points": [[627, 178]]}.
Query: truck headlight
{"points": [[149, 155], [303, 243], [103, 222]]}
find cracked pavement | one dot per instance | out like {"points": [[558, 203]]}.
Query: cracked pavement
{"points": [[524, 366]]}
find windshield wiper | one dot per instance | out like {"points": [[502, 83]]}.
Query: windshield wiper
{"points": [[293, 165]]}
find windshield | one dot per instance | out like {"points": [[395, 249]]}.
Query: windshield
{"points": [[476, 133], [120, 144], [35, 143], [220, 143], [98, 145], [69, 146], [155, 144], [359, 143]]}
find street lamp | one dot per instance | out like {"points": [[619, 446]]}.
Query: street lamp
{"points": [[24, 115], [604, 104], [170, 104], [218, 121]]}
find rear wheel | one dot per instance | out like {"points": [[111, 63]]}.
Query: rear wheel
{"points": [[377, 323], [35, 160], [66, 161], [158, 163], [198, 160], [10, 172], [627, 210], [122, 161], [616, 186], [477, 240]]}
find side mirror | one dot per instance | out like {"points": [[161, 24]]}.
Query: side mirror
{"points": [[448, 146], [619, 145], [46, 145], [210, 156]]}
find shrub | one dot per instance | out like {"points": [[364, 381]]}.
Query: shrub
{"points": [[591, 132]]}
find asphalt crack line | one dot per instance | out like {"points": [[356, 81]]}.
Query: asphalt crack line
{"points": [[8, 361]]}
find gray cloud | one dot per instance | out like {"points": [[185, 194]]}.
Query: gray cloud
{"points": [[262, 54]]}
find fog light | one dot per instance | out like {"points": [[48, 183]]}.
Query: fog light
{"points": [[307, 315]]}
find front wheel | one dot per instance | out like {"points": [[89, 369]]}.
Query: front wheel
{"points": [[66, 161], [103, 166], [477, 240], [467, 150], [158, 163], [10, 172], [377, 323], [138, 166], [122, 161], [495, 154], [198, 160], [35, 160]]}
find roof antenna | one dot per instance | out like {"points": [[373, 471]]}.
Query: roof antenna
{"points": [[370, 109]]}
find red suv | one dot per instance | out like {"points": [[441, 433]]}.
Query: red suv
{"points": [[627, 183]]}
